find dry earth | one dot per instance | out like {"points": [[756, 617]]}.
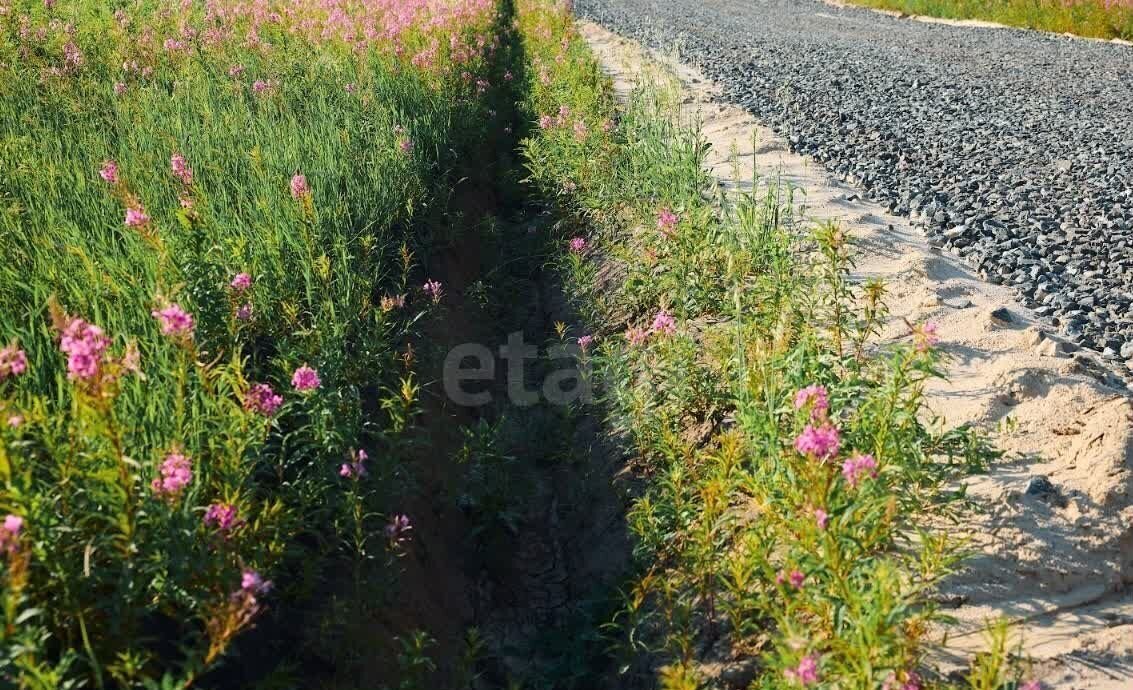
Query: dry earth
{"points": [[1052, 532]]}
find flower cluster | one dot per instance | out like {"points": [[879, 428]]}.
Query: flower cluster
{"points": [[819, 442], [174, 474], [806, 673], [578, 245], [434, 290], [181, 169], [13, 362], [109, 172], [354, 467], [262, 399], [299, 188], [663, 323], [175, 321], [222, 517], [667, 222], [10, 533], [818, 399], [858, 467], [305, 379], [84, 344], [397, 529]]}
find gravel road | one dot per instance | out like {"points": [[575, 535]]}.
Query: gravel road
{"points": [[1013, 148]]}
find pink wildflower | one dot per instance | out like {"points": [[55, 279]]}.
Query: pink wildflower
{"points": [[912, 681], [398, 528], [925, 336], [261, 399], [1031, 685], [815, 396], [546, 122], [84, 344], [175, 473], [244, 312], [305, 379], [136, 217], [175, 321], [181, 169], [15, 421], [578, 245], [664, 322], [235, 71], [667, 222], [109, 172], [354, 468], [818, 442], [252, 582], [241, 282], [299, 188], [259, 86], [405, 146], [585, 341], [119, 88], [806, 673], [581, 131], [13, 362], [795, 578], [224, 517], [857, 467], [434, 290], [351, 88], [10, 532], [820, 518]]}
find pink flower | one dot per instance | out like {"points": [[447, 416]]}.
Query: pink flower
{"points": [[806, 673], [13, 362], [241, 282], [259, 86], [816, 396], [667, 222], [351, 88], [175, 473], [84, 345], [261, 399], [578, 245], [1031, 685], [820, 518], [299, 188], [857, 467], [181, 169], [397, 530], [10, 532], [109, 172], [244, 312], [546, 122], [119, 88], [585, 341], [136, 217], [252, 583], [636, 336], [405, 146], [175, 321], [581, 131], [818, 442], [434, 290], [15, 421], [664, 322], [235, 71], [354, 468], [224, 517], [912, 681], [795, 578], [305, 379], [925, 336]]}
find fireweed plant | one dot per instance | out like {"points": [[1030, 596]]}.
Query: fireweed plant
{"points": [[786, 463], [216, 218]]}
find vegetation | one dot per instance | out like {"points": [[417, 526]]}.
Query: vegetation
{"points": [[238, 239], [1092, 18]]}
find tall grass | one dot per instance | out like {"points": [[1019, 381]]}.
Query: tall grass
{"points": [[1091, 18], [786, 458], [216, 219]]}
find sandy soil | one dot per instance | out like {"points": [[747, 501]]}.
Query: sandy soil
{"points": [[1052, 533]]}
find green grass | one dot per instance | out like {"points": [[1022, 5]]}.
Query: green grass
{"points": [[1092, 18]]}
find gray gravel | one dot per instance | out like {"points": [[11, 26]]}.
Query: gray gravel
{"points": [[1013, 149]]}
